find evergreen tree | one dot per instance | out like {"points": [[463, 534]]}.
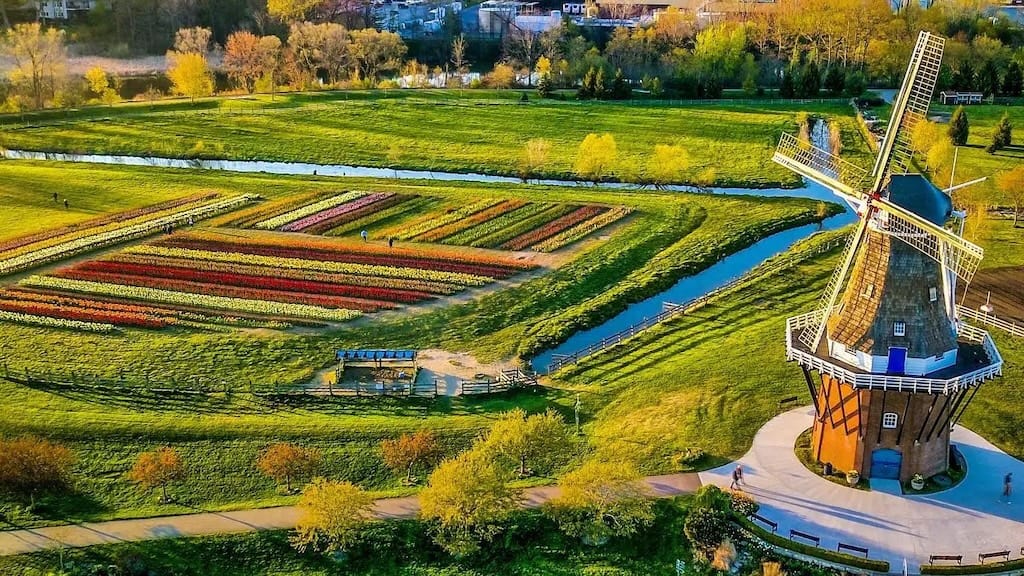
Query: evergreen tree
{"points": [[1002, 135], [712, 87], [810, 81], [988, 79], [835, 80], [600, 91], [959, 127], [1013, 82], [620, 88], [586, 91], [788, 88], [544, 87], [963, 78], [656, 89], [855, 83]]}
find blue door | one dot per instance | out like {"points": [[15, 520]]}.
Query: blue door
{"points": [[885, 463], [897, 360]]}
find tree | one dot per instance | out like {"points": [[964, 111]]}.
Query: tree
{"points": [[289, 10], [1011, 184], [538, 439], [963, 78], [707, 523], [39, 60], [586, 90], [988, 78], [375, 52], [158, 469], [409, 451], [835, 80], [190, 76], [596, 157], [502, 77], [286, 462], [810, 80], [620, 88], [460, 64], [959, 127], [668, 164], [856, 84], [535, 156], [468, 498], [331, 516], [247, 57], [601, 500], [97, 80], [788, 87], [1013, 82], [1002, 135], [30, 465], [193, 40]]}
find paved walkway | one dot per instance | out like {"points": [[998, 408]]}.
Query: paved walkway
{"points": [[279, 518], [969, 519]]}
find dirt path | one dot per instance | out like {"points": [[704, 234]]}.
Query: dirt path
{"points": [[23, 541]]}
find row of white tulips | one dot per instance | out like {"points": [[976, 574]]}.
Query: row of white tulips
{"points": [[118, 235], [307, 210], [49, 322]]}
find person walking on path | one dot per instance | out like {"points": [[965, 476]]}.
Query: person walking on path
{"points": [[65, 203], [55, 197], [737, 478], [364, 235], [1008, 486], [391, 242]]}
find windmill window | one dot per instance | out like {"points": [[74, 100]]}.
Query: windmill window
{"points": [[890, 420], [869, 291], [899, 329], [933, 294]]}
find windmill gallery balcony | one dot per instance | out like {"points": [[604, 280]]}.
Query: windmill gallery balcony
{"points": [[978, 360]]}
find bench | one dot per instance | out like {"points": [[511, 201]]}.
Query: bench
{"points": [[793, 534], [788, 400], [1005, 555], [773, 525], [851, 548], [958, 558]]}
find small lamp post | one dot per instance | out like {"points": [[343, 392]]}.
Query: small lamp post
{"points": [[577, 408]]}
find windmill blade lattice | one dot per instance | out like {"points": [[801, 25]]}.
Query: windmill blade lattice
{"points": [[910, 108], [953, 252], [821, 166]]}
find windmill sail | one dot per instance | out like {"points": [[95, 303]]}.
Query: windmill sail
{"points": [[910, 107]]}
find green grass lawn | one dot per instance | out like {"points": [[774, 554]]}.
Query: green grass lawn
{"points": [[431, 130], [670, 236]]}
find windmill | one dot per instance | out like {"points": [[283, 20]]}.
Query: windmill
{"points": [[896, 365]]}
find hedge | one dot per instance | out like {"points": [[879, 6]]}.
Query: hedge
{"points": [[1017, 564], [808, 550]]}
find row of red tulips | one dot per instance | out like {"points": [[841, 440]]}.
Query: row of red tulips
{"points": [[120, 318], [343, 254], [252, 281], [210, 289], [557, 225], [425, 286]]}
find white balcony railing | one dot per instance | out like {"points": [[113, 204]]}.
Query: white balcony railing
{"points": [[891, 382]]}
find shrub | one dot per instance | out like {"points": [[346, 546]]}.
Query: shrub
{"points": [[30, 465]]}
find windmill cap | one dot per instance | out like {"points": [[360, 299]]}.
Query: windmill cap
{"points": [[915, 193]]}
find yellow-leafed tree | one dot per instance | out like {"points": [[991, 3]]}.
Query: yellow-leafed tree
{"points": [[668, 164], [596, 157], [190, 75], [331, 516], [601, 500]]}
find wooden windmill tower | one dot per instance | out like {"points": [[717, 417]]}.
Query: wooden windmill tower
{"points": [[896, 365]]}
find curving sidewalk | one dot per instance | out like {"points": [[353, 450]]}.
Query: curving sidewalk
{"points": [[24, 541], [968, 519]]}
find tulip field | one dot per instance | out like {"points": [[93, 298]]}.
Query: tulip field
{"points": [[498, 223], [265, 279]]}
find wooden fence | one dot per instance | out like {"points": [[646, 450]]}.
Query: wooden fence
{"points": [[991, 320], [671, 310]]}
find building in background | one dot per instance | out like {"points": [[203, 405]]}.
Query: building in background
{"points": [[62, 9]]}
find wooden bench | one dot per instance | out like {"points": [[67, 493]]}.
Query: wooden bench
{"points": [[793, 534], [773, 525], [851, 548], [788, 400], [958, 558], [1005, 555]]}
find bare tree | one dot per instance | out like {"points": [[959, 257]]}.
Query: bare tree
{"points": [[523, 47], [459, 63]]}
